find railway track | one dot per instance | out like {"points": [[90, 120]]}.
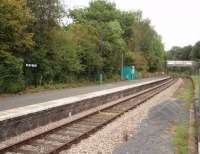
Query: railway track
{"points": [[56, 140]]}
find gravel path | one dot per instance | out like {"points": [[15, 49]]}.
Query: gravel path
{"points": [[114, 134], [10, 102]]}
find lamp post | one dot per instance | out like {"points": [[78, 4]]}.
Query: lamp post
{"points": [[101, 53], [122, 66]]}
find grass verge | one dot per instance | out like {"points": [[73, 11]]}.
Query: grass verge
{"points": [[181, 136], [196, 79]]}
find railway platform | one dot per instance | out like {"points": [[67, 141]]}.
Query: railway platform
{"points": [[11, 102], [16, 122]]}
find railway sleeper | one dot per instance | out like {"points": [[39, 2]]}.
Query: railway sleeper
{"points": [[90, 123], [81, 126], [59, 138], [70, 134], [23, 151], [44, 146]]}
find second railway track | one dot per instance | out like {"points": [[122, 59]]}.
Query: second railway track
{"points": [[56, 140]]}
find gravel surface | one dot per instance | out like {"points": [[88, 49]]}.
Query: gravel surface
{"points": [[114, 134], [155, 135], [10, 102]]}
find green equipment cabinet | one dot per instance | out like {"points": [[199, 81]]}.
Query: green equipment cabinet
{"points": [[128, 72]]}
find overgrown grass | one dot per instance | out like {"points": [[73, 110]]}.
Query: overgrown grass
{"points": [[32, 89], [73, 84], [181, 138], [196, 80], [181, 130], [185, 92], [58, 86]]}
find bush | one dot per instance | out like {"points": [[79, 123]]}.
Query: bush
{"points": [[11, 73]]}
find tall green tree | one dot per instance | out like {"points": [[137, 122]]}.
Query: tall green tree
{"points": [[107, 20], [46, 29], [97, 40], [15, 40], [15, 16], [99, 11], [180, 53], [85, 39], [146, 45], [48, 13], [195, 53]]}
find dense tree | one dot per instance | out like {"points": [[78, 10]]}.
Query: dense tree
{"points": [[46, 53], [185, 53], [155, 55], [127, 19], [195, 53], [179, 53], [47, 14], [140, 62], [99, 11], [14, 19], [84, 37], [14, 42], [146, 44], [134, 34], [104, 17], [97, 40]]}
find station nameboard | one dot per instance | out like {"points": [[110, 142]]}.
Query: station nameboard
{"points": [[32, 65]]}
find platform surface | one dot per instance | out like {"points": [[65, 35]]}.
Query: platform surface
{"points": [[11, 102]]}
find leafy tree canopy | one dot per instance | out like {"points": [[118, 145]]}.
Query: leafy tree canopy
{"points": [[99, 39]]}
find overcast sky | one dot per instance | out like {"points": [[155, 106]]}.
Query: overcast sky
{"points": [[177, 21]]}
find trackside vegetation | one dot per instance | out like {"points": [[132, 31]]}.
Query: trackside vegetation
{"points": [[181, 133], [99, 36], [185, 53]]}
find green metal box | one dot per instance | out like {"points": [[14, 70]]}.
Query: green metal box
{"points": [[128, 72]]}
